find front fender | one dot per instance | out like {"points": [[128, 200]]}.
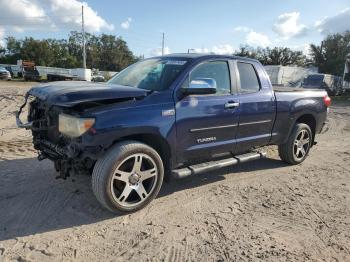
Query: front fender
{"points": [[147, 117]]}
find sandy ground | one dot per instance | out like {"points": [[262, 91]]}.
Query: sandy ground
{"points": [[264, 210]]}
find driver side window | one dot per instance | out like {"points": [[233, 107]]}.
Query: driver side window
{"points": [[217, 70]]}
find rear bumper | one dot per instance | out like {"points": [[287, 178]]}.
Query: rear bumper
{"points": [[323, 128], [321, 121]]}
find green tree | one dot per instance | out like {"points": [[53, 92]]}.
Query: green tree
{"points": [[247, 51], [330, 55], [114, 53], [283, 56], [104, 52], [12, 51], [36, 50], [274, 56]]}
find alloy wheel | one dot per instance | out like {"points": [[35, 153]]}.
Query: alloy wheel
{"points": [[134, 180], [301, 144]]}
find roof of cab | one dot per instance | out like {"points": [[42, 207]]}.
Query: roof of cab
{"points": [[208, 56]]}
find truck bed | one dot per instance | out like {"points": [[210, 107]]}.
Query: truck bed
{"points": [[293, 89], [291, 102]]}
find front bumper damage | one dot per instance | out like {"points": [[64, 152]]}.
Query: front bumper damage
{"points": [[19, 122], [69, 155]]}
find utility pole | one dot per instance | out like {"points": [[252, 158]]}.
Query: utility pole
{"points": [[163, 44], [83, 32]]}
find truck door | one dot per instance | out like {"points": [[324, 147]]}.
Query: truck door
{"points": [[257, 107], [207, 124]]}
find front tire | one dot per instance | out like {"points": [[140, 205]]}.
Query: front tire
{"points": [[298, 145], [128, 177]]}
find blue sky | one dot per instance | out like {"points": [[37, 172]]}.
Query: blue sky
{"points": [[220, 26]]}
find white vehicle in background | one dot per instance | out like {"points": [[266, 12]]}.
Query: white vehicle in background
{"points": [[4, 74], [98, 78]]}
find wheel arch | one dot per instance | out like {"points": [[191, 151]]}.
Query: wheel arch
{"points": [[155, 141], [309, 120]]}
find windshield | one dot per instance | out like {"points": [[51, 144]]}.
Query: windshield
{"points": [[154, 74]]}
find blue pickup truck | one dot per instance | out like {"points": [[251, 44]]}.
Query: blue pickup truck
{"points": [[171, 116]]}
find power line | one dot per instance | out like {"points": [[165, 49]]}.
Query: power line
{"points": [[140, 39], [30, 17], [36, 24], [144, 31], [60, 26]]}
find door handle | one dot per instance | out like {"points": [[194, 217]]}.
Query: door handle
{"points": [[231, 105]]}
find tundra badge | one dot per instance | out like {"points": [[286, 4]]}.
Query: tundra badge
{"points": [[206, 139]]}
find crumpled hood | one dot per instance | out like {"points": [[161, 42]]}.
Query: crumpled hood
{"points": [[70, 93]]}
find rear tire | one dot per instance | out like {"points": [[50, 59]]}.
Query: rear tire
{"points": [[298, 145], [128, 177]]}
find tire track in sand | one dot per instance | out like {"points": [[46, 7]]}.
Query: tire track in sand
{"points": [[13, 149]]}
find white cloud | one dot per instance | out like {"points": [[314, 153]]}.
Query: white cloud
{"points": [[199, 50], [19, 14], [338, 23], [305, 48], [25, 7], [63, 8], [253, 38], [226, 49], [288, 25], [158, 51], [22, 15], [126, 23], [242, 29], [257, 39]]}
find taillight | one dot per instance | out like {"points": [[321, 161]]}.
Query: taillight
{"points": [[327, 101]]}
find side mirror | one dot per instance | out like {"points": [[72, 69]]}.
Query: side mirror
{"points": [[200, 86]]}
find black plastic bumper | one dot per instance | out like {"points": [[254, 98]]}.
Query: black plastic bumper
{"points": [[73, 150]]}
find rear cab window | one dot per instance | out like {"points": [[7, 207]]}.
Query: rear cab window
{"points": [[249, 81]]}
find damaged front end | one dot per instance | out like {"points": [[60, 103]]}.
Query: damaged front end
{"points": [[69, 102], [68, 154]]}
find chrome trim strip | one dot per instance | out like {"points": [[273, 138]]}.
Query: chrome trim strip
{"points": [[255, 122], [211, 128]]}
